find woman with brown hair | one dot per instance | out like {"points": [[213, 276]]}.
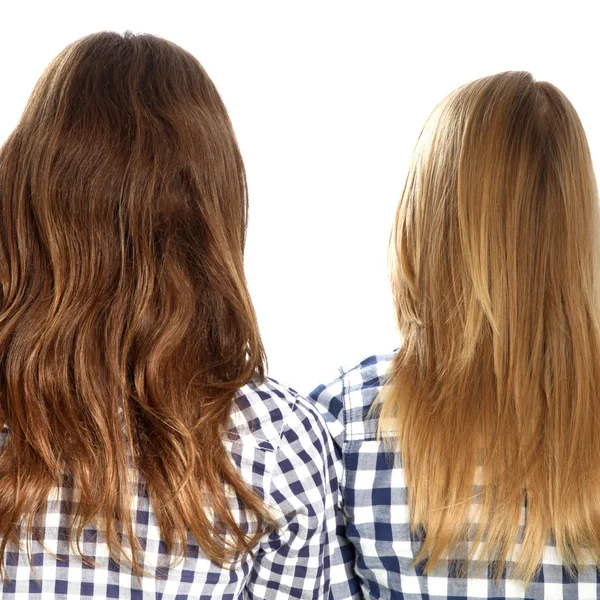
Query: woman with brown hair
{"points": [[471, 453], [144, 454]]}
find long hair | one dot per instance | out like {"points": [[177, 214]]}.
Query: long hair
{"points": [[494, 396], [126, 326]]}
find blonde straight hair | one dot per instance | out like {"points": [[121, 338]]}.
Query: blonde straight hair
{"points": [[495, 276]]}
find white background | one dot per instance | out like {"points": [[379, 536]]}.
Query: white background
{"points": [[327, 99]]}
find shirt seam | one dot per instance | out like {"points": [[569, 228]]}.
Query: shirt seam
{"points": [[342, 482]]}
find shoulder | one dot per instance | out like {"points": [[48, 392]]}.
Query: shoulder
{"points": [[345, 402], [264, 411], [279, 442]]}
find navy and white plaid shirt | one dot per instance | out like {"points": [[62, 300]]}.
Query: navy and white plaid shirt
{"points": [[281, 447], [377, 546]]}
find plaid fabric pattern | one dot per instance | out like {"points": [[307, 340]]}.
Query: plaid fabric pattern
{"points": [[376, 548], [279, 443]]}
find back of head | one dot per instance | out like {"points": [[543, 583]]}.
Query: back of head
{"points": [[495, 278], [124, 313]]}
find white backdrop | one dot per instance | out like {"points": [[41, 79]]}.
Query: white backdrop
{"points": [[327, 99]]}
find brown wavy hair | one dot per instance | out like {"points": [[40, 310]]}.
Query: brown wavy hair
{"points": [[496, 279], [126, 326]]}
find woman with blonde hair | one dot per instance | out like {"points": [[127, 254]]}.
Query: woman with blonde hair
{"points": [[471, 453], [144, 454]]}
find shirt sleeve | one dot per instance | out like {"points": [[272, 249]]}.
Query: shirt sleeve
{"points": [[294, 561], [344, 583]]}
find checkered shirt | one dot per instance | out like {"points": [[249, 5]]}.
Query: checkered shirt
{"points": [[280, 445], [376, 545]]}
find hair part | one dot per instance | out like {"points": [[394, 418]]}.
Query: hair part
{"points": [[495, 268], [126, 326]]}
